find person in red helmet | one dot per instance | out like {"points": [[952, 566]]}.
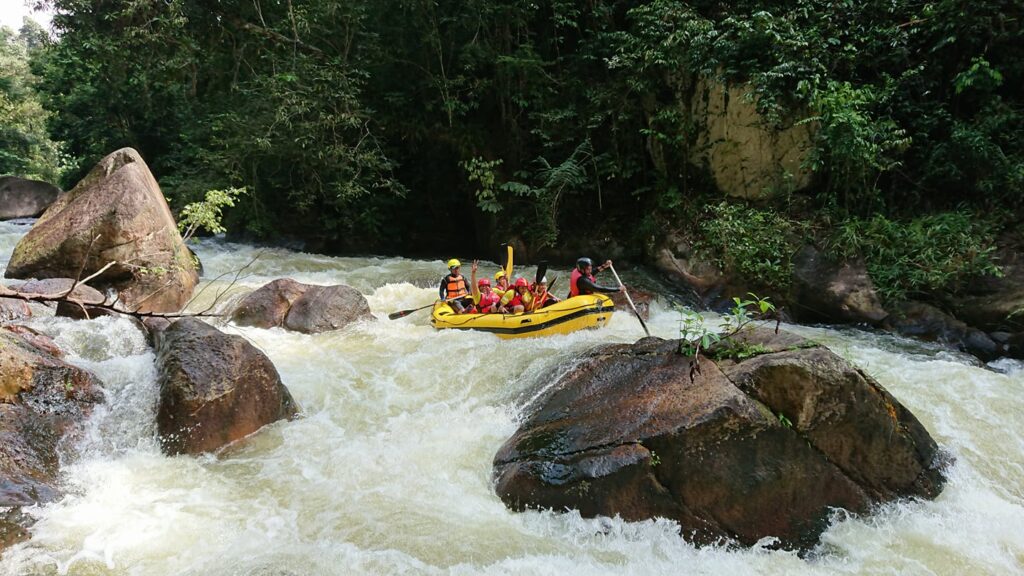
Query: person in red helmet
{"points": [[522, 297], [487, 300]]}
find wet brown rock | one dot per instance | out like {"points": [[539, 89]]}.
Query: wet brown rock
{"points": [[43, 400], [117, 213], [13, 309], [215, 388], [23, 198], [301, 307], [826, 291], [763, 447], [324, 308], [267, 306], [927, 322], [14, 525], [996, 304], [36, 339]]}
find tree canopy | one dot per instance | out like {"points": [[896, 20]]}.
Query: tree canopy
{"points": [[428, 125]]}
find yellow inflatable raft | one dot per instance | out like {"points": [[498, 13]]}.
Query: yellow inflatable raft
{"points": [[577, 313]]}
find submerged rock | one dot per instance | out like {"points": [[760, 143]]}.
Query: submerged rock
{"points": [[215, 388], [42, 400], [23, 198], [117, 213], [641, 299], [767, 446], [301, 307]]}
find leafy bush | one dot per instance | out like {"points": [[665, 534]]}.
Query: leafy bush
{"points": [[926, 254], [756, 243]]}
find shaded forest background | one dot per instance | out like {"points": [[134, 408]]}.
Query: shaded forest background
{"points": [[435, 127]]}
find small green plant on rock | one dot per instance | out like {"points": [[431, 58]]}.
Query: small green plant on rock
{"points": [[697, 337], [655, 459]]}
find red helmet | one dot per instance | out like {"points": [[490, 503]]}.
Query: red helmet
{"points": [[483, 282], [521, 282]]}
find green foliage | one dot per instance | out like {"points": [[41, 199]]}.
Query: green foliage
{"points": [[482, 171], [25, 146], [926, 254], [655, 460], [357, 115], [784, 421], [756, 243], [697, 336], [207, 213], [855, 145]]}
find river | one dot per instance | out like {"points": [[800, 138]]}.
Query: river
{"points": [[388, 470]]}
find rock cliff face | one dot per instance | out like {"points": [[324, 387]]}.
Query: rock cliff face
{"points": [[117, 213], [767, 446], [747, 158]]}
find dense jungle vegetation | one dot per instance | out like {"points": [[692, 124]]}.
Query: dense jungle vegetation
{"points": [[442, 127]]}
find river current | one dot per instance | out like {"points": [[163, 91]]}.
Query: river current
{"points": [[388, 469]]}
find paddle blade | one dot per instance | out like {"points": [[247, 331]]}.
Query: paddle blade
{"points": [[399, 314], [542, 269], [506, 261]]}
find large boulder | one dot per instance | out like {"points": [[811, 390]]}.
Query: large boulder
{"points": [[117, 213], [301, 307], [748, 157], [827, 291], [743, 450], [267, 306], [215, 388], [924, 321], [22, 198], [679, 261], [995, 303], [42, 400]]}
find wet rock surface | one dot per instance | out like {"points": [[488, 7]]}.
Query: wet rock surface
{"points": [[215, 388], [767, 446], [117, 213], [301, 307], [826, 291], [43, 400], [23, 198]]}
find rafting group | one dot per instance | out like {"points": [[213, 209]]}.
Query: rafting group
{"points": [[480, 297], [519, 308]]}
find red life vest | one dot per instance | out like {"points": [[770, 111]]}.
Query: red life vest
{"points": [[517, 300], [574, 289], [487, 300], [456, 287]]}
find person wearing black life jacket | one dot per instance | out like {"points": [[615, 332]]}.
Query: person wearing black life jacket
{"points": [[455, 288], [582, 280]]}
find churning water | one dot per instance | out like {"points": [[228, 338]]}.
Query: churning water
{"points": [[388, 471]]}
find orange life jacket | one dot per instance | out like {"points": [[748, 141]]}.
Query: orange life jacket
{"points": [[456, 287]]}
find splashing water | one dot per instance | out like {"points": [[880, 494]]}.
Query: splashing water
{"points": [[389, 469]]}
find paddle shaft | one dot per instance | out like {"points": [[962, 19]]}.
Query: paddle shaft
{"points": [[404, 313], [630, 300]]}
